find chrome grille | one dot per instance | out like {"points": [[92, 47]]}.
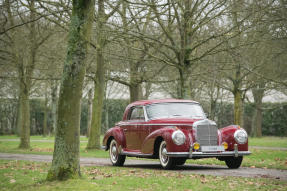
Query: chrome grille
{"points": [[206, 133]]}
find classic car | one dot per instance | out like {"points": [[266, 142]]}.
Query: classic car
{"points": [[173, 130]]}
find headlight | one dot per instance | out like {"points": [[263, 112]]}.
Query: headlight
{"points": [[178, 137], [240, 136]]}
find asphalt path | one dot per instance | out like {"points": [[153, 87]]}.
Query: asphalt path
{"points": [[214, 170], [83, 141]]}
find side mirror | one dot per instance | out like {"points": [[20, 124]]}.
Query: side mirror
{"points": [[206, 114]]}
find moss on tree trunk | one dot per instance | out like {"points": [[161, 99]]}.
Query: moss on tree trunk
{"points": [[66, 157]]}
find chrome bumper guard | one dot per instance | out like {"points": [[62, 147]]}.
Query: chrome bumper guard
{"points": [[207, 154], [103, 147], [198, 154]]}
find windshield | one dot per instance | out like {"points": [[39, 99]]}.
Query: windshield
{"points": [[170, 110]]}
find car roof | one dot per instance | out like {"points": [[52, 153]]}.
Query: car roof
{"points": [[147, 102]]}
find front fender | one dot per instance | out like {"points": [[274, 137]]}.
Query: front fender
{"points": [[165, 134], [227, 135], [118, 134]]}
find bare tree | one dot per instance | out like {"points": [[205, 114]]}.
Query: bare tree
{"points": [[66, 158]]}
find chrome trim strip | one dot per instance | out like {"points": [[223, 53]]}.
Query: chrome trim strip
{"points": [[201, 154], [156, 124], [132, 154]]}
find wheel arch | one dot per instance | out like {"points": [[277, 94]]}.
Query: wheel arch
{"points": [[109, 142], [157, 142]]}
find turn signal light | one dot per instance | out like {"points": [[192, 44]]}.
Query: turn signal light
{"points": [[225, 145], [196, 146]]}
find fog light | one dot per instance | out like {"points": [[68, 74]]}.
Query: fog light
{"points": [[225, 145], [196, 146]]}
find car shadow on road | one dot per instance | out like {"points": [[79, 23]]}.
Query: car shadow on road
{"points": [[188, 167]]}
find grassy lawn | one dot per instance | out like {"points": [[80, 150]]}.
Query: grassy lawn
{"points": [[20, 175], [260, 158], [36, 137], [268, 141], [46, 148]]}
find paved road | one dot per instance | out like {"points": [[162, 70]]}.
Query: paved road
{"points": [[148, 164], [83, 141]]}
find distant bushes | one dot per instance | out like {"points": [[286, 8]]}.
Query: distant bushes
{"points": [[274, 116]]}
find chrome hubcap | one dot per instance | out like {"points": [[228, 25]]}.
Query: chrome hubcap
{"points": [[114, 152], [164, 157]]}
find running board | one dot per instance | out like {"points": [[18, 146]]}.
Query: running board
{"points": [[133, 154]]}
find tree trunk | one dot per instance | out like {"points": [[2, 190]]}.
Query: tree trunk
{"points": [[135, 92], [90, 110], [25, 72], [95, 131], [257, 118], [45, 121], [184, 91], [238, 108], [212, 109], [24, 117], [19, 115], [66, 159], [54, 90]]}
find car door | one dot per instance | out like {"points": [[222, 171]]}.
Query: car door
{"points": [[132, 131]]}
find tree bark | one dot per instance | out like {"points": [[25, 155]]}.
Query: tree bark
{"points": [[24, 117], [135, 92], [185, 52], [184, 91], [45, 121], [258, 95], [238, 108], [54, 91], [66, 157], [90, 110], [25, 71], [95, 131]]}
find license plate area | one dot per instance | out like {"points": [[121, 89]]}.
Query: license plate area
{"points": [[212, 148]]}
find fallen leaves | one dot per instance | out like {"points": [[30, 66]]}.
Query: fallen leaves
{"points": [[42, 149], [12, 181]]}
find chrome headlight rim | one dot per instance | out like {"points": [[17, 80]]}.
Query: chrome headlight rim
{"points": [[178, 137], [240, 136]]}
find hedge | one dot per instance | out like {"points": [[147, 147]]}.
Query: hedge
{"points": [[274, 116]]}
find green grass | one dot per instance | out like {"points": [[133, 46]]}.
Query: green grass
{"points": [[20, 175], [36, 137], [46, 148], [259, 158], [268, 141]]}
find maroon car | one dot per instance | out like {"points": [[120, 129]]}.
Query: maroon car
{"points": [[173, 130]]}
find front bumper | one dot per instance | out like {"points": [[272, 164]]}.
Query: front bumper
{"points": [[198, 154], [207, 154]]}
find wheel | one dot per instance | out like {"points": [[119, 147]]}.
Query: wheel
{"points": [[165, 161], [116, 158], [180, 161], [233, 162]]}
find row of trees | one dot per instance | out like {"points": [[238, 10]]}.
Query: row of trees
{"points": [[203, 50]]}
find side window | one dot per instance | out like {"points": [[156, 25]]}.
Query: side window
{"points": [[137, 113]]}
